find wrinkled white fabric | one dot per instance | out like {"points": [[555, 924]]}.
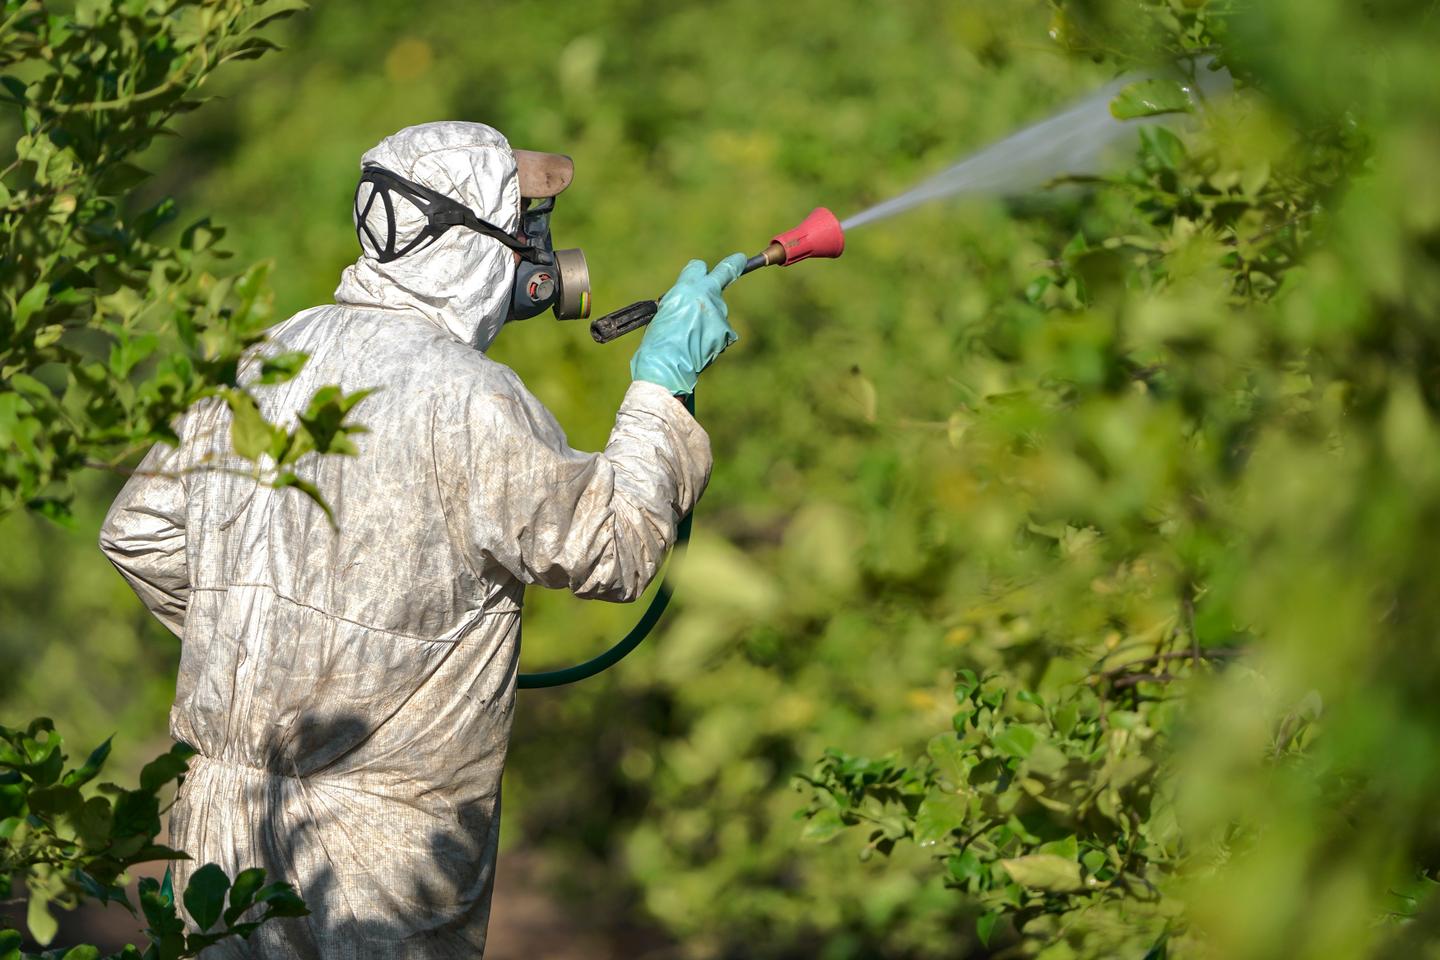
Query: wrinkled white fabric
{"points": [[350, 688]]}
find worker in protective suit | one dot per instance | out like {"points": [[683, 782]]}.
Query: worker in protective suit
{"points": [[349, 688]]}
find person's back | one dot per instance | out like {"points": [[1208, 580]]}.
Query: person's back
{"points": [[348, 686]]}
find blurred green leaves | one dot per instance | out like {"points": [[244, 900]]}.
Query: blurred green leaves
{"points": [[1189, 413], [1055, 815], [1149, 98]]}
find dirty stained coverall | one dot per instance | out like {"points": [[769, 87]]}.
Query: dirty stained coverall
{"points": [[349, 691]]}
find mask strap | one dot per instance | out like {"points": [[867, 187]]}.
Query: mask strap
{"points": [[441, 213]]}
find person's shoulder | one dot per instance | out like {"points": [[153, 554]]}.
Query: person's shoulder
{"points": [[405, 352], [392, 338], [486, 395], [461, 382]]}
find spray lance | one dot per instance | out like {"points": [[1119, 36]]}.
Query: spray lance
{"points": [[818, 235]]}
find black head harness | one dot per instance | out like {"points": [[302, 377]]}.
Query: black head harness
{"points": [[441, 213]]}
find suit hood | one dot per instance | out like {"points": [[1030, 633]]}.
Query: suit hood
{"points": [[461, 282]]}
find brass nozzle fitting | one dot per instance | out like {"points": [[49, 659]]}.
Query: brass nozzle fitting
{"points": [[774, 254]]}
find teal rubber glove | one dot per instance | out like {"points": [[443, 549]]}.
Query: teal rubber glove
{"points": [[690, 329]]}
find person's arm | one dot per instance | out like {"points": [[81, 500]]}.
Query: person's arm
{"points": [[597, 524], [144, 536]]}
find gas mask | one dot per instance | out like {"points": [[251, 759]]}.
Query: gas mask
{"points": [[544, 277], [558, 277]]}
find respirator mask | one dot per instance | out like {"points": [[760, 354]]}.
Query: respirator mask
{"points": [[545, 278]]}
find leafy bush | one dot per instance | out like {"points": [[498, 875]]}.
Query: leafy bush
{"points": [[110, 332], [64, 843], [1149, 740]]}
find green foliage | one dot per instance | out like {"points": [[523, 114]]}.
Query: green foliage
{"points": [[1108, 790], [76, 643], [109, 329], [1051, 814], [64, 842], [1151, 98]]}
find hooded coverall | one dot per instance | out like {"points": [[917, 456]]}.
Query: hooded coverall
{"points": [[349, 689]]}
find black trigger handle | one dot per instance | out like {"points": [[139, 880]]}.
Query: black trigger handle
{"points": [[614, 325]]}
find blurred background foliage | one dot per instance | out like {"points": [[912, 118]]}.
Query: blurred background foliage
{"points": [[1189, 410]]}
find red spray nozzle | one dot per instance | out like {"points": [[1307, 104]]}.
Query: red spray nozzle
{"points": [[818, 235]]}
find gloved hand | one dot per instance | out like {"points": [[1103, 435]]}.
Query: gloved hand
{"points": [[690, 330]]}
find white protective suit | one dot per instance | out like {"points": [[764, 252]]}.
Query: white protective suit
{"points": [[350, 689]]}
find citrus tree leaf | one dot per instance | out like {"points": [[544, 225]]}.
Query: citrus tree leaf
{"points": [[205, 895], [1149, 98], [1044, 871]]}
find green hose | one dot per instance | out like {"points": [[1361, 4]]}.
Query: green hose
{"points": [[631, 640]]}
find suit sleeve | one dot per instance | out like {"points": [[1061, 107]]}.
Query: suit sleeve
{"points": [[597, 524], [144, 536]]}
